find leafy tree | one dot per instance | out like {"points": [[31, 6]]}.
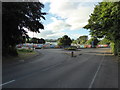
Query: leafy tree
{"points": [[82, 39], [104, 41], [89, 42], [64, 41], [50, 40], [74, 42], [15, 16], [104, 22], [93, 41], [25, 39], [34, 40], [41, 41], [37, 40]]}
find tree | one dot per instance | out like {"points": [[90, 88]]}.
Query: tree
{"points": [[15, 17], [104, 41], [74, 42], [41, 41], [50, 40], [34, 40], [104, 22], [89, 42], [64, 41], [93, 41], [37, 40], [82, 39]]}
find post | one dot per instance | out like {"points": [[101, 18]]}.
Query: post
{"points": [[72, 54]]}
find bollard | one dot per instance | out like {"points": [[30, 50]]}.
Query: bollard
{"points": [[72, 54]]}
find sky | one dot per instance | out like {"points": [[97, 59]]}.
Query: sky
{"points": [[65, 17]]}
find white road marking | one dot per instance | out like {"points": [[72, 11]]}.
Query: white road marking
{"points": [[92, 82], [7, 82]]}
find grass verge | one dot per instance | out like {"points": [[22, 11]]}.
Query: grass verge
{"points": [[24, 53]]}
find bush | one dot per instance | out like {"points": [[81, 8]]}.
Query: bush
{"points": [[25, 50], [112, 47], [9, 51], [71, 48], [104, 41]]}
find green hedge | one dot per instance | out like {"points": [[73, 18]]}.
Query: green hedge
{"points": [[112, 47], [71, 48], [25, 50], [115, 47]]}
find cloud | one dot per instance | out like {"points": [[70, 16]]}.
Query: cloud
{"points": [[75, 14], [75, 36], [46, 1], [66, 15], [57, 25], [48, 34], [57, 35]]}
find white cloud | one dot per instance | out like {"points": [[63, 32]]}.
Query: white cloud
{"points": [[48, 34], [57, 35], [46, 1], [57, 25], [75, 36], [76, 14], [72, 15]]}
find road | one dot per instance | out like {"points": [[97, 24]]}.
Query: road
{"points": [[55, 68]]}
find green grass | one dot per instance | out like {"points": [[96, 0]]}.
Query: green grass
{"points": [[23, 53], [71, 48], [25, 50]]}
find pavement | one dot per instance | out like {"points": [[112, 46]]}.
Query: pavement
{"points": [[55, 68]]}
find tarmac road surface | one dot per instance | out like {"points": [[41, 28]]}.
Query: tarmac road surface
{"points": [[55, 68]]}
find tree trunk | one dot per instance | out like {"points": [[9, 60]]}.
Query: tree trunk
{"points": [[13, 51], [116, 47]]}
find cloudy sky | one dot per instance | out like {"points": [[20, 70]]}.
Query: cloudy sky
{"points": [[65, 17]]}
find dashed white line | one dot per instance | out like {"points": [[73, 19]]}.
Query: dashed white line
{"points": [[93, 80], [7, 82]]}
